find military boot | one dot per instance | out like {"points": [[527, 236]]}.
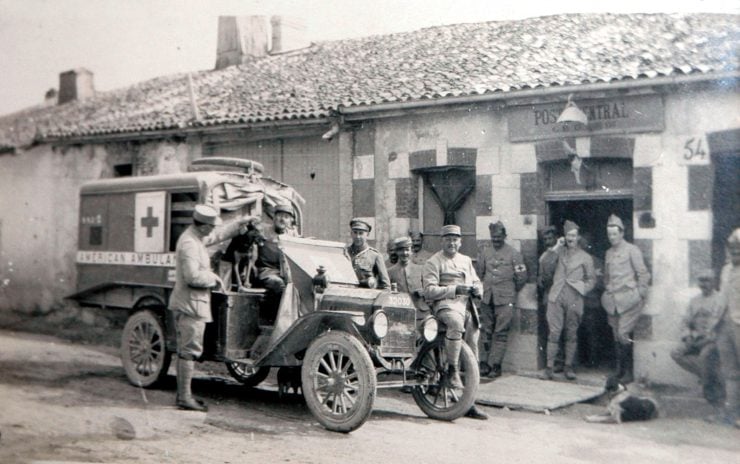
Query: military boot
{"points": [[453, 377], [185, 398], [627, 376]]}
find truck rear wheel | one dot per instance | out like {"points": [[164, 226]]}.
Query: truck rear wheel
{"points": [[143, 349], [339, 382], [437, 399], [248, 376]]}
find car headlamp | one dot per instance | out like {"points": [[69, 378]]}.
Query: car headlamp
{"points": [[380, 324], [430, 328]]}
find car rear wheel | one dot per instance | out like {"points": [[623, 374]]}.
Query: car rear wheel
{"points": [[437, 398], [249, 376], [338, 380], [143, 349]]}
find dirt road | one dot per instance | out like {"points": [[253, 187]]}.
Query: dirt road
{"points": [[68, 402]]}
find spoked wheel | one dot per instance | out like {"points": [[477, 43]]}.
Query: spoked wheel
{"points": [[249, 376], [339, 382], [437, 399], [143, 349]]}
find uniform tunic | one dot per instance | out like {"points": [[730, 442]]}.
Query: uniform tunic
{"points": [[421, 257], [503, 273], [698, 353], [626, 281], [728, 337], [368, 263]]}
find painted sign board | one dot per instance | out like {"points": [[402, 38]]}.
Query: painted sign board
{"points": [[615, 115]]}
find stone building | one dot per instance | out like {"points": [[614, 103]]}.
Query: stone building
{"points": [[463, 123]]}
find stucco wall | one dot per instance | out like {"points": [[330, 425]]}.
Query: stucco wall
{"points": [[39, 202]]}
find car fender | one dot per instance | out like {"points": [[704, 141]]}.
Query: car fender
{"points": [[306, 329]]}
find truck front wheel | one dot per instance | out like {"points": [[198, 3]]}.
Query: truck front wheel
{"points": [[143, 349], [339, 382]]}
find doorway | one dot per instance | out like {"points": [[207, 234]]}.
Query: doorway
{"points": [[725, 207], [595, 340]]}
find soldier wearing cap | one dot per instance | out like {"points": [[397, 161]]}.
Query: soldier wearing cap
{"points": [[626, 280], [407, 275], [366, 261], [503, 272], [574, 278], [419, 254], [449, 282], [698, 351], [728, 332], [272, 272], [191, 299]]}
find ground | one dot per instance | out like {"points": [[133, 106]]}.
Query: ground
{"points": [[63, 400]]}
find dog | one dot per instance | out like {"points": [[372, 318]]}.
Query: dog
{"points": [[626, 406]]}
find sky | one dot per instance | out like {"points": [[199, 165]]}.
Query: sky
{"points": [[124, 42]]}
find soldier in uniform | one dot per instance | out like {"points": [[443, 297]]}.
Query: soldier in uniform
{"points": [[503, 272], [626, 280], [191, 299], [574, 278], [449, 283], [272, 271], [419, 255], [698, 351], [366, 261]]}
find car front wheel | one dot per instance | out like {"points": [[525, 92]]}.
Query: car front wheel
{"points": [[338, 380]]}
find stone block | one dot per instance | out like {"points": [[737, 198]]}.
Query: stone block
{"points": [[701, 181], [365, 141], [531, 194], [523, 158], [648, 150], [643, 189], [422, 159], [364, 167], [461, 156], [695, 225], [407, 198], [700, 258], [363, 197], [488, 161], [398, 165], [483, 195]]}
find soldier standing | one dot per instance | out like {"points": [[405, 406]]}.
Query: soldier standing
{"points": [[574, 278], [626, 280], [366, 261], [449, 282], [503, 272], [191, 299], [407, 275]]}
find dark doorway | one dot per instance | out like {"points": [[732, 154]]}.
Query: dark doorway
{"points": [[725, 205], [595, 340]]}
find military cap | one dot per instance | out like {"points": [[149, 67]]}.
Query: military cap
{"points": [[207, 215], [734, 238], [614, 221], [359, 224], [570, 225], [550, 230], [451, 229], [284, 208], [415, 233], [497, 226], [705, 274], [401, 242]]}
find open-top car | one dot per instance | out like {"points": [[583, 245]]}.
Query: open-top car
{"points": [[342, 341]]}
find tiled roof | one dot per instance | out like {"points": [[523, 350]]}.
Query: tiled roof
{"points": [[432, 63]]}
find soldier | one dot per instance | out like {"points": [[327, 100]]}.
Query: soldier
{"points": [[545, 271], [503, 272], [626, 280], [419, 254], [407, 275], [574, 278], [698, 352], [449, 282], [366, 261], [272, 273], [191, 299], [392, 256], [728, 332]]}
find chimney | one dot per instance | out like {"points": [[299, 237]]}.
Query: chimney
{"points": [[240, 38], [76, 84], [288, 34]]}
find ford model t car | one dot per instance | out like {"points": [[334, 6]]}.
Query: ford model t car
{"points": [[342, 341]]}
